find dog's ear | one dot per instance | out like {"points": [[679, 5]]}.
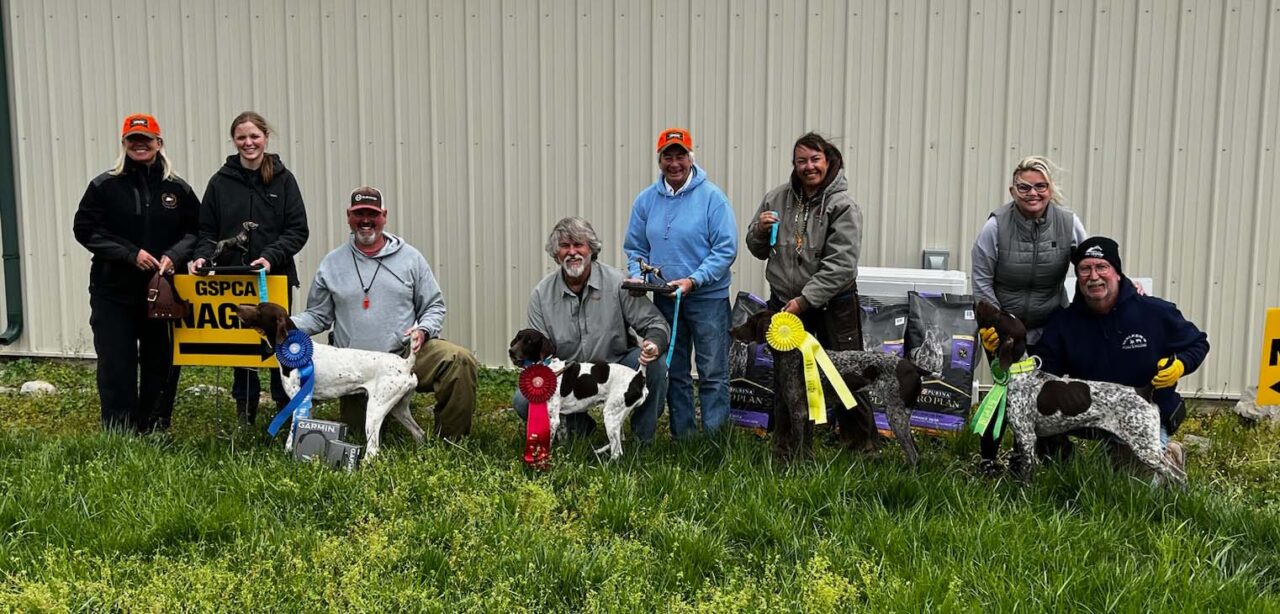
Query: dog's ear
{"points": [[548, 348], [282, 330], [1005, 351], [986, 314]]}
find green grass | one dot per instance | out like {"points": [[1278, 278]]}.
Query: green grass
{"points": [[215, 518]]}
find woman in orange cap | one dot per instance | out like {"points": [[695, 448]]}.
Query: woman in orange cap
{"points": [[136, 219]]}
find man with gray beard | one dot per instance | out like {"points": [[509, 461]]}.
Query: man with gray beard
{"points": [[582, 308], [376, 290]]}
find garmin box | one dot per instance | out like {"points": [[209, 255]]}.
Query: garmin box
{"points": [[343, 455], [312, 437]]}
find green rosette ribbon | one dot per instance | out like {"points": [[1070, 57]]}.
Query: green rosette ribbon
{"points": [[994, 404]]}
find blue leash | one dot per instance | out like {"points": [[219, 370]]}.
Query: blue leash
{"points": [[262, 285], [675, 321]]}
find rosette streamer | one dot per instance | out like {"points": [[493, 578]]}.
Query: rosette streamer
{"points": [[295, 353], [994, 404], [537, 384], [786, 333]]}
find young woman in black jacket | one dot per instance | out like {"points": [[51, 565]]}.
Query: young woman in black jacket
{"points": [[136, 219], [253, 186]]}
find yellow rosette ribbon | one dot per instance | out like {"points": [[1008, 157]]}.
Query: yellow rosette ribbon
{"points": [[786, 333]]}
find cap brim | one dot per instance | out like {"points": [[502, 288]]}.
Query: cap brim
{"points": [[146, 132], [364, 206], [673, 144]]}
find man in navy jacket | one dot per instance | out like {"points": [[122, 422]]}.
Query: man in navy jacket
{"points": [[1111, 333]]}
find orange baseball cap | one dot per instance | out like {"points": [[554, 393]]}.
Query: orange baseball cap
{"points": [[140, 123], [674, 136]]}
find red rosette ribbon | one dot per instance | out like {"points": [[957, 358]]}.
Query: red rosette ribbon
{"points": [[537, 384]]}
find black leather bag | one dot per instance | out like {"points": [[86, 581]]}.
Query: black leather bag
{"points": [[163, 302]]}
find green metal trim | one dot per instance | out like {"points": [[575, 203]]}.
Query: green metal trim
{"points": [[9, 207]]}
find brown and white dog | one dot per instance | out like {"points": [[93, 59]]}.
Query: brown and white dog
{"points": [[387, 379], [894, 380], [583, 385]]}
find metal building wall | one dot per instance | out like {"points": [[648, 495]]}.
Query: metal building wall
{"points": [[485, 121]]}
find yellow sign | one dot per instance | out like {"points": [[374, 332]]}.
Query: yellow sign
{"points": [[1269, 370], [210, 334]]}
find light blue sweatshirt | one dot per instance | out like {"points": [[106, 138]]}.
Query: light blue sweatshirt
{"points": [[401, 289], [691, 233]]}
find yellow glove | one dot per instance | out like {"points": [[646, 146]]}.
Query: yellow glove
{"points": [[990, 340], [1168, 371]]}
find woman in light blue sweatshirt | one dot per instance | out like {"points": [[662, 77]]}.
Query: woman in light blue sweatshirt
{"points": [[684, 225]]}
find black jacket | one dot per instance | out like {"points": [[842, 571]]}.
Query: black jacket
{"points": [[235, 195], [135, 210], [1124, 345]]}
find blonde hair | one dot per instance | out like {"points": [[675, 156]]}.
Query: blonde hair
{"points": [[1045, 167], [267, 170], [124, 155]]}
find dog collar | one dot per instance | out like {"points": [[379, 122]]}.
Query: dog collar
{"points": [[526, 362], [1023, 366]]}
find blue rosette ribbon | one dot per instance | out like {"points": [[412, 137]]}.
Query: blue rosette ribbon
{"points": [[295, 353]]}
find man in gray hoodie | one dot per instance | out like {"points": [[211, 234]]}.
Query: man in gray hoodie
{"points": [[374, 291]]}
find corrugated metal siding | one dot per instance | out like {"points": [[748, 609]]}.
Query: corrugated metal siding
{"points": [[486, 121]]}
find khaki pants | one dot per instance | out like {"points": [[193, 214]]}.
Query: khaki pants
{"points": [[448, 370]]}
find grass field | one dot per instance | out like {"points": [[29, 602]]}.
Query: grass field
{"points": [[216, 518]]}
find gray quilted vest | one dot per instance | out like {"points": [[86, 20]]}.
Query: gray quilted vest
{"points": [[1032, 261]]}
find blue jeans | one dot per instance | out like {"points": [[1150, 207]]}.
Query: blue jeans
{"points": [[703, 329], [644, 420]]}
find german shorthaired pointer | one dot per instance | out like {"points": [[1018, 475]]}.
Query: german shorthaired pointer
{"points": [[1043, 405], [387, 379], [584, 385], [894, 380]]}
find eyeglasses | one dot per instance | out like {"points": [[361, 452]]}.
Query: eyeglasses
{"points": [[1101, 268], [1025, 188]]}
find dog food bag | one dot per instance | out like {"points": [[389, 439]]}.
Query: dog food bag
{"points": [[884, 324], [942, 338], [750, 371]]}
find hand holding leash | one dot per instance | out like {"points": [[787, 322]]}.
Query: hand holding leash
{"points": [[648, 352], [990, 340]]}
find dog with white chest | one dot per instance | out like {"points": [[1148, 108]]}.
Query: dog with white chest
{"points": [[387, 379], [583, 385]]}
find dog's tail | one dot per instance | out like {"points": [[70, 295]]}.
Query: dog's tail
{"points": [[406, 348], [910, 381]]}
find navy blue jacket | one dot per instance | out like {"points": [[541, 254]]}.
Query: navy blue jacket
{"points": [[1124, 345]]}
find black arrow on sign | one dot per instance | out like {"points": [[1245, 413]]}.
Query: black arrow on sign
{"points": [[259, 349], [1275, 387]]}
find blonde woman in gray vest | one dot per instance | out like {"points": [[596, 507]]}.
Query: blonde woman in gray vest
{"points": [[1020, 261]]}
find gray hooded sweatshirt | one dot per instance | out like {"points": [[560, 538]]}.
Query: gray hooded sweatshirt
{"points": [[402, 292]]}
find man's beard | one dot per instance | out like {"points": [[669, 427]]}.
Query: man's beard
{"points": [[367, 238], [574, 267]]}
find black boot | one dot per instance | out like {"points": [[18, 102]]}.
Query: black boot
{"points": [[247, 411]]}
